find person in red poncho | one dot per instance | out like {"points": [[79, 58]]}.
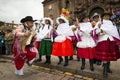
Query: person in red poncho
{"points": [[23, 50]]}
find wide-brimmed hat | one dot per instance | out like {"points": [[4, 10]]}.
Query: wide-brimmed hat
{"points": [[47, 18], [109, 14], [22, 20], [95, 15], [29, 18], [62, 18]]}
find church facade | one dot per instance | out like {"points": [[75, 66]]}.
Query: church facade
{"points": [[52, 8]]}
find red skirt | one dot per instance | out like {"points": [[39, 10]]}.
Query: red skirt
{"points": [[107, 51], [21, 57], [63, 48], [87, 53]]}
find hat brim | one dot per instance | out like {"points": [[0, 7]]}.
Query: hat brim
{"points": [[51, 21], [95, 16], [63, 18], [22, 20], [29, 18]]}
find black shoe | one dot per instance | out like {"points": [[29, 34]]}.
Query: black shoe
{"points": [[83, 67], [28, 63], [66, 64], [92, 68], [60, 61]]}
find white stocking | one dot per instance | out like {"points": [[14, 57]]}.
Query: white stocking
{"points": [[31, 61], [19, 72]]}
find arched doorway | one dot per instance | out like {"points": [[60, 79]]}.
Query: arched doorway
{"points": [[98, 10]]}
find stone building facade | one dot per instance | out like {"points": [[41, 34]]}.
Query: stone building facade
{"points": [[5, 26], [78, 7]]}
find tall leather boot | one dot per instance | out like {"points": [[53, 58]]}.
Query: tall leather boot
{"points": [[40, 59], [46, 59], [49, 59], [60, 60], [108, 67], [94, 61], [91, 65], [105, 73], [78, 59], [83, 64], [66, 61]]}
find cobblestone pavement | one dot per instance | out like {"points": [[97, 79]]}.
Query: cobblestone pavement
{"points": [[35, 73]]}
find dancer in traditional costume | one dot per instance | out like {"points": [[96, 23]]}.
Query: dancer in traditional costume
{"points": [[86, 44], [38, 30], [107, 44], [24, 49], [74, 39], [96, 21], [62, 43], [46, 39]]}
